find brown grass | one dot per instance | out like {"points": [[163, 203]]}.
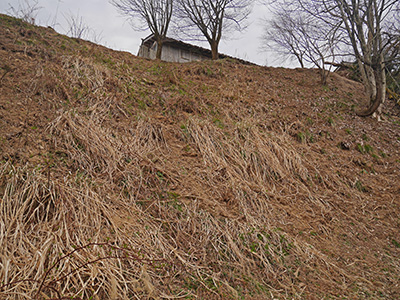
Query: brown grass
{"points": [[122, 178]]}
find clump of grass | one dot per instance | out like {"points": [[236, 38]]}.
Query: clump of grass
{"points": [[368, 148], [301, 137], [360, 148], [254, 157], [360, 187], [304, 137], [365, 137], [60, 252], [364, 148], [83, 71], [348, 131], [218, 123]]}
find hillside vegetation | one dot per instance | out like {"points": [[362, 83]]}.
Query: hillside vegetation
{"points": [[124, 178]]}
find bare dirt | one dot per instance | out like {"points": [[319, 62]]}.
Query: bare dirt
{"points": [[124, 178]]}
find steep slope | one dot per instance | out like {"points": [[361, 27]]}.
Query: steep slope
{"points": [[123, 178]]}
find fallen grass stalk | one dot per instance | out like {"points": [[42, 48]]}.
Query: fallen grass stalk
{"points": [[44, 284]]}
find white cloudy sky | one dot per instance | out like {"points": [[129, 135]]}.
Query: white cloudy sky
{"points": [[117, 33]]}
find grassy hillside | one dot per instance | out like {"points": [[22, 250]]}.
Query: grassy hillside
{"points": [[123, 178]]}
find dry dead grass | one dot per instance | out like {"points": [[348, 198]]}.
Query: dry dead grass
{"points": [[151, 180], [76, 227]]}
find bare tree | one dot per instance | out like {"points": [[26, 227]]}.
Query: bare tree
{"points": [[27, 10], [292, 33], [210, 18], [282, 36], [77, 28], [362, 24], [54, 21], [148, 14], [391, 38]]}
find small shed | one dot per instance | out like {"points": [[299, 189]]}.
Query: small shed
{"points": [[174, 50]]}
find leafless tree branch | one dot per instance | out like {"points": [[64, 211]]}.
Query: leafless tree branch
{"points": [[155, 15], [358, 25], [211, 19], [27, 10]]}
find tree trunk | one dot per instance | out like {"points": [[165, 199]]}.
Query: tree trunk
{"points": [[371, 83], [159, 49], [301, 62], [324, 75], [323, 71], [214, 50], [376, 90]]}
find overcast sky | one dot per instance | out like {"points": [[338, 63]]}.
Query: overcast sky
{"points": [[116, 32]]}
